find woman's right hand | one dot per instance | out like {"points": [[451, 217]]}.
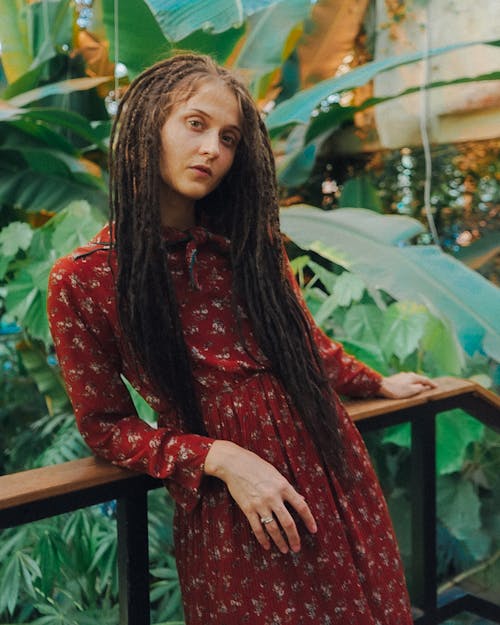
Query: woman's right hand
{"points": [[260, 491]]}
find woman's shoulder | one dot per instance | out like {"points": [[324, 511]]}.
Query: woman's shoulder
{"points": [[90, 261]]}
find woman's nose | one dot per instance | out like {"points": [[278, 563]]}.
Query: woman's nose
{"points": [[210, 144]]}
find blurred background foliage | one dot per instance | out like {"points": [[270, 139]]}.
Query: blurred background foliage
{"points": [[351, 93]]}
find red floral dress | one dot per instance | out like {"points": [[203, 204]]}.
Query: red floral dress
{"points": [[349, 572]]}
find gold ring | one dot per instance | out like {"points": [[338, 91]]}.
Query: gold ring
{"points": [[266, 519]]}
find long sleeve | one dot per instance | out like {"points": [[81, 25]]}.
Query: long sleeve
{"points": [[348, 375], [81, 315]]}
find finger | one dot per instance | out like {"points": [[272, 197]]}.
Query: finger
{"points": [[274, 531], [299, 503], [258, 530], [288, 526]]}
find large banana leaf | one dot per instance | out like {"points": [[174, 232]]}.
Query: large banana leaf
{"points": [[298, 109], [16, 57], [321, 126], [419, 273], [137, 25], [179, 19], [263, 47]]}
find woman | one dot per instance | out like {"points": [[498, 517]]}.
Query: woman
{"points": [[187, 294]]}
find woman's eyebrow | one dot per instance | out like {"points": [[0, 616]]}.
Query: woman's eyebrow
{"points": [[202, 112]]}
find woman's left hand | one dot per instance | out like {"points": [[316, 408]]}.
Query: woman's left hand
{"points": [[405, 384]]}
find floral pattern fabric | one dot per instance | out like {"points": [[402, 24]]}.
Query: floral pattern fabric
{"points": [[349, 572]]}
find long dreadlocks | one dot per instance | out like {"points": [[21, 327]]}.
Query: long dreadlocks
{"points": [[244, 207]]}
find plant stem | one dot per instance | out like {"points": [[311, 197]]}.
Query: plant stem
{"points": [[455, 581]]}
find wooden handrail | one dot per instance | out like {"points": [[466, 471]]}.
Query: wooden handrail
{"points": [[41, 484]]}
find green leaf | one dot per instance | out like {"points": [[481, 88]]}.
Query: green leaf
{"points": [[423, 274], [360, 193], [144, 410], [47, 379], [348, 288], [364, 323], [455, 431], [58, 88], [368, 353], [403, 327], [16, 57], [14, 237], [312, 224], [68, 120], [399, 435], [458, 505], [299, 108], [179, 19], [442, 352], [34, 191], [269, 31], [73, 227]]}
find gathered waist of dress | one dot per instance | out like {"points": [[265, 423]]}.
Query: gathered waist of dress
{"points": [[215, 389]]}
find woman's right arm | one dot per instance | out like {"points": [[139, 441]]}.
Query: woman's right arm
{"points": [[260, 491], [90, 363]]}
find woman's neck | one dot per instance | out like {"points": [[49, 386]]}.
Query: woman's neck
{"points": [[177, 212]]}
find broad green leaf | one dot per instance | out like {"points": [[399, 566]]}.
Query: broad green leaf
{"points": [[360, 193], [317, 224], [422, 274], [26, 132], [403, 327], [336, 114], [26, 297], [137, 24], [327, 278], [399, 435], [348, 288], [363, 322], [458, 505], [370, 354], [299, 108], [263, 49], [16, 57], [47, 378], [68, 120], [14, 237], [179, 19], [35, 191], [58, 88], [144, 410], [441, 347], [455, 430], [326, 309], [74, 227]]}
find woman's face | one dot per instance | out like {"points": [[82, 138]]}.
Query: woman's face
{"points": [[198, 145]]}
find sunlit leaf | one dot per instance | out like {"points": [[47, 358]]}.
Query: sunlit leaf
{"points": [[455, 431], [14, 237], [58, 88], [298, 109], [269, 30], [423, 274], [403, 327]]}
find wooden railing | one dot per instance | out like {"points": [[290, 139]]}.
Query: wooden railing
{"points": [[41, 493]]}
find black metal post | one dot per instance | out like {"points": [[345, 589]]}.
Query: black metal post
{"points": [[133, 559], [423, 482]]}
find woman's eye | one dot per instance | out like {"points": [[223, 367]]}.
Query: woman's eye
{"points": [[229, 140], [195, 123]]}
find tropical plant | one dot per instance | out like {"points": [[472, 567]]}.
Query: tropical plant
{"points": [[393, 335]]}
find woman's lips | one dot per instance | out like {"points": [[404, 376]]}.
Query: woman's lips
{"points": [[205, 171]]}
